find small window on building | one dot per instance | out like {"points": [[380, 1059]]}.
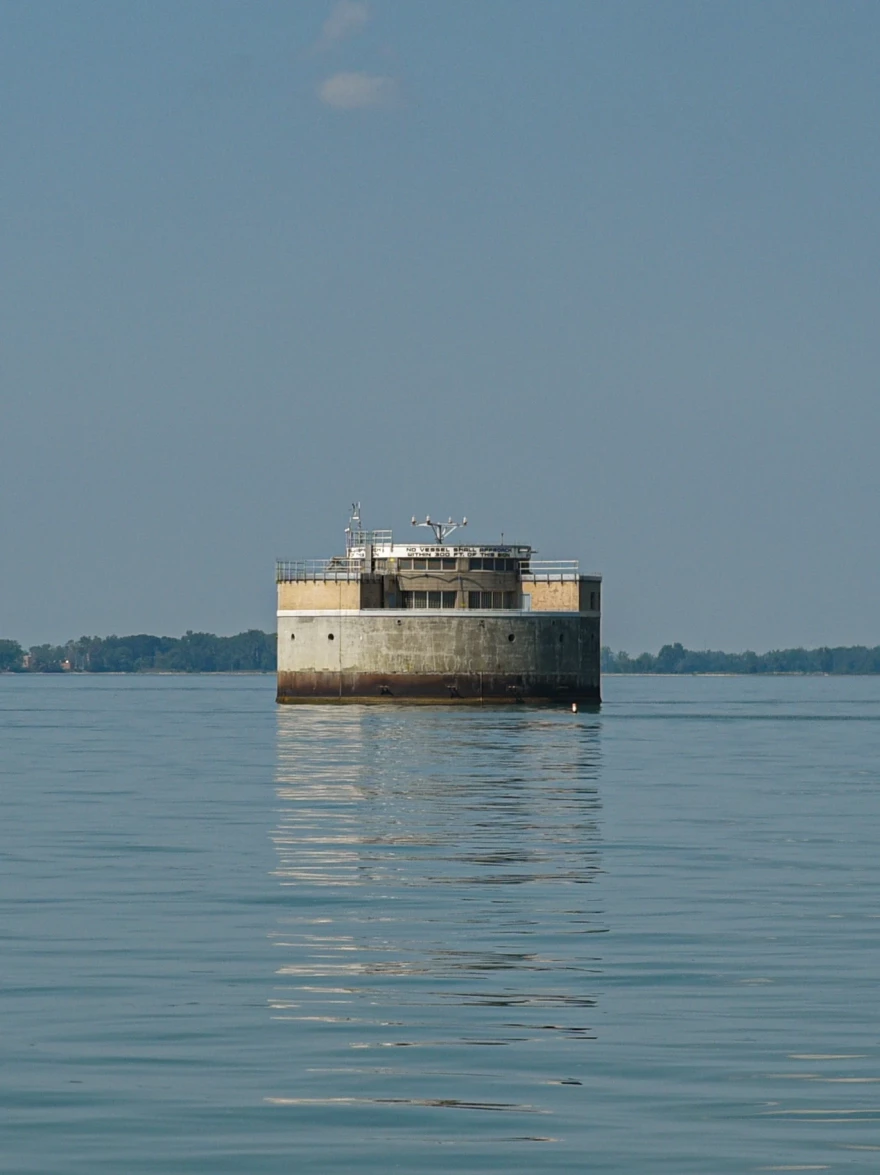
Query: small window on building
{"points": [[420, 564], [435, 564], [434, 599], [449, 565], [492, 599], [381, 564], [404, 564], [475, 565], [448, 599]]}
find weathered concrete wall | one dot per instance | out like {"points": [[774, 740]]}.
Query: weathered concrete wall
{"points": [[511, 656], [590, 593], [428, 581], [371, 593], [486, 581], [320, 593]]}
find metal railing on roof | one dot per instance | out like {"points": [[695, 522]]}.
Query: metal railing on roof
{"points": [[547, 569], [291, 570], [364, 538]]}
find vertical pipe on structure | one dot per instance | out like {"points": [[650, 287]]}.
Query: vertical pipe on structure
{"points": [[339, 671]]}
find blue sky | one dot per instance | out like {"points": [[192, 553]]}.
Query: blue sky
{"points": [[600, 276]]}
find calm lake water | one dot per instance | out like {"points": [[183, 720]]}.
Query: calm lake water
{"points": [[244, 939]]}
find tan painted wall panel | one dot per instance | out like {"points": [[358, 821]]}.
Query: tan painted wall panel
{"points": [[555, 596], [319, 594]]}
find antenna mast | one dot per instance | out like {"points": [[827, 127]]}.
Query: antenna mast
{"points": [[441, 530], [354, 527]]}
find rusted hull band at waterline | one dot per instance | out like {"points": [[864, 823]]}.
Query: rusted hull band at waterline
{"points": [[434, 689]]}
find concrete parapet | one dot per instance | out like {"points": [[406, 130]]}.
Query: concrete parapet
{"points": [[473, 656]]}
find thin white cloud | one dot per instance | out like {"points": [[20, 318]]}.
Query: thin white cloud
{"points": [[346, 20], [358, 91]]}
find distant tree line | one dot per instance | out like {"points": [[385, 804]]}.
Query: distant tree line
{"points": [[676, 659], [254, 651], [195, 652]]}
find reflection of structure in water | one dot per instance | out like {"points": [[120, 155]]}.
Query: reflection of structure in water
{"points": [[437, 880], [436, 622]]}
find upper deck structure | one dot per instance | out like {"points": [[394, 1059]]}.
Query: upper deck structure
{"points": [[436, 622]]}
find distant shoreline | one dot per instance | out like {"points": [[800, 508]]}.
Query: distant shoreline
{"points": [[675, 661], [141, 673], [254, 652], [742, 673], [271, 672]]}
